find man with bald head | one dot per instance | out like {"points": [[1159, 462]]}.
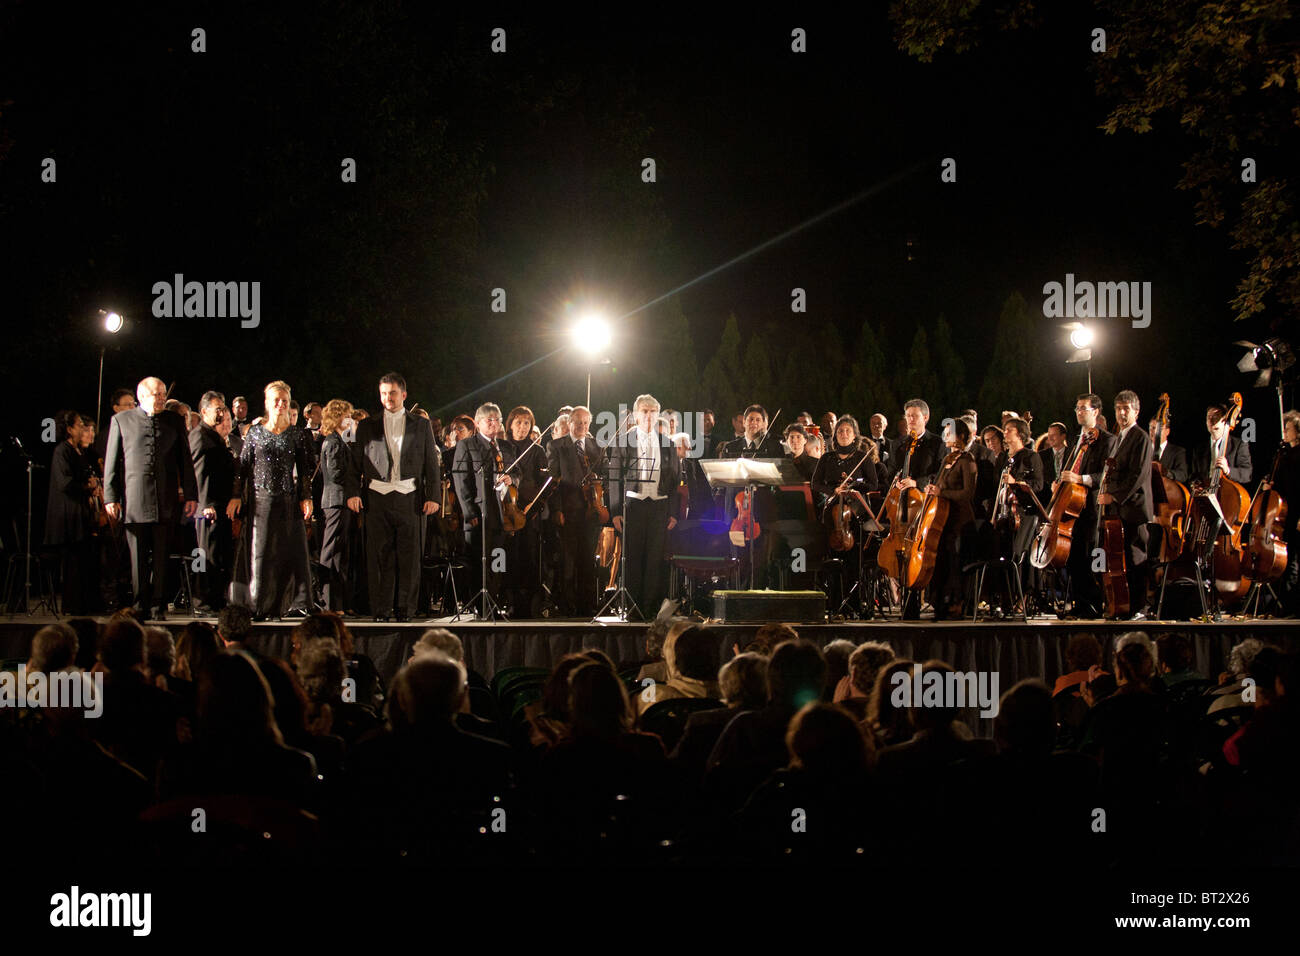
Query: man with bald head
{"points": [[147, 472]]}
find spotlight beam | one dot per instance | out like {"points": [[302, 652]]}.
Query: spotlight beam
{"points": [[761, 247]]}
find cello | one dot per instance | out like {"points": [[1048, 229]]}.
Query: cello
{"points": [[1213, 529], [925, 531], [1265, 552], [899, 504], [1052, 543], [1110, 534], [1169, 497]]}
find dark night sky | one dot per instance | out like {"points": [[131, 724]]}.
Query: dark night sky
{"points": [[225, 166]]}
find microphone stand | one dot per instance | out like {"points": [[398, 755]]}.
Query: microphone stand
{"points": [[46, 601], [489, 609]]}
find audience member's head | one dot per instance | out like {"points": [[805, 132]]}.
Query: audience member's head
{"points": [[1134, 665], [289, 702], [865, 663], [837, 655], [938, 718], [657, 633], [743, 681], [160, 651], [1026, 723], [54, 648], [796, 674], [234, 624], [426, 695], [1137, 637], [825, 740], [197, 644], [121, 646], [596, 655], [1175, 653], [234, 703], [555, 692], [87, 629], [892, 723], [1241, 655], [321, 670], [693, 654], [1265, 669], [768, 636], [441, 640], [598, 703], [1083, 651]]}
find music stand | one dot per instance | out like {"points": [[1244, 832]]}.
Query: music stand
{"points": [[748, 474]]}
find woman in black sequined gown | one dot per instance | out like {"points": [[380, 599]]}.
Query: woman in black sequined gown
{"points": [[280, 503]]}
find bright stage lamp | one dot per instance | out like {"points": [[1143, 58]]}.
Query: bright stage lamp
{"points": [[113, 322], [1081, 337], [592, 334]]}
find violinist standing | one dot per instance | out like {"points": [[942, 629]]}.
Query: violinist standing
{"points": [[756, 442], [1129, 487], [1083, 583]]}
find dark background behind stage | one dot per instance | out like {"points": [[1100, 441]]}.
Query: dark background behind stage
{"points": [[522, 171]]}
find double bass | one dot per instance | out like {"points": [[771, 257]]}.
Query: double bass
{"points": [[1110, 535], [1214, 532], [1265, 554], [899, 504], [1169, 497], [924, 533], [1052, 543]]}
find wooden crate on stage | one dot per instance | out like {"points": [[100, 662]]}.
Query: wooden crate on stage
{"points": [[759, 607]]}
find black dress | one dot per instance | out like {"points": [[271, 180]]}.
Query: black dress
{"points": [[68, 525], [274, 541]]}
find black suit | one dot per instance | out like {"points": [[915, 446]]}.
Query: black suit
{"points": [[646, 529], [1173, 462], [474, 470], [340, 480], [1087, 592], [1237, 453], [526, 466], [394, 521], [214, 471], [926, 460], [580, 530], [1130, 486], [764, 505], [147, 467]]}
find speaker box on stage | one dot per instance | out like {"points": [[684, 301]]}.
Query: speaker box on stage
{"points": [[759, 607]]}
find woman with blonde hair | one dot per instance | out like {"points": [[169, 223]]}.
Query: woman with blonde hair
{"points": [[341, 482], [275, 472]]}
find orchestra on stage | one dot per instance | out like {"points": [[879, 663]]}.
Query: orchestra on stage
{"points": [[396, 516]]}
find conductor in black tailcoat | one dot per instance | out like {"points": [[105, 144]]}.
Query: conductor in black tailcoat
{"points": [[644, 472]]}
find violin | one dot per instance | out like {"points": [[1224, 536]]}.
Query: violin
{"points": [[450, 509], [1110, 532], [1006, 509], [743, 527], [1265, 554], [1052, 543], [1169, 497], [839, 512]]}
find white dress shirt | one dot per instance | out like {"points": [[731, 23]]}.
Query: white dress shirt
{"points": [[646, 467], [394, 434]]}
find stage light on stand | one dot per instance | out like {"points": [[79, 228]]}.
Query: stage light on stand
{"points": [[1082, 338], [113, 323]]}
